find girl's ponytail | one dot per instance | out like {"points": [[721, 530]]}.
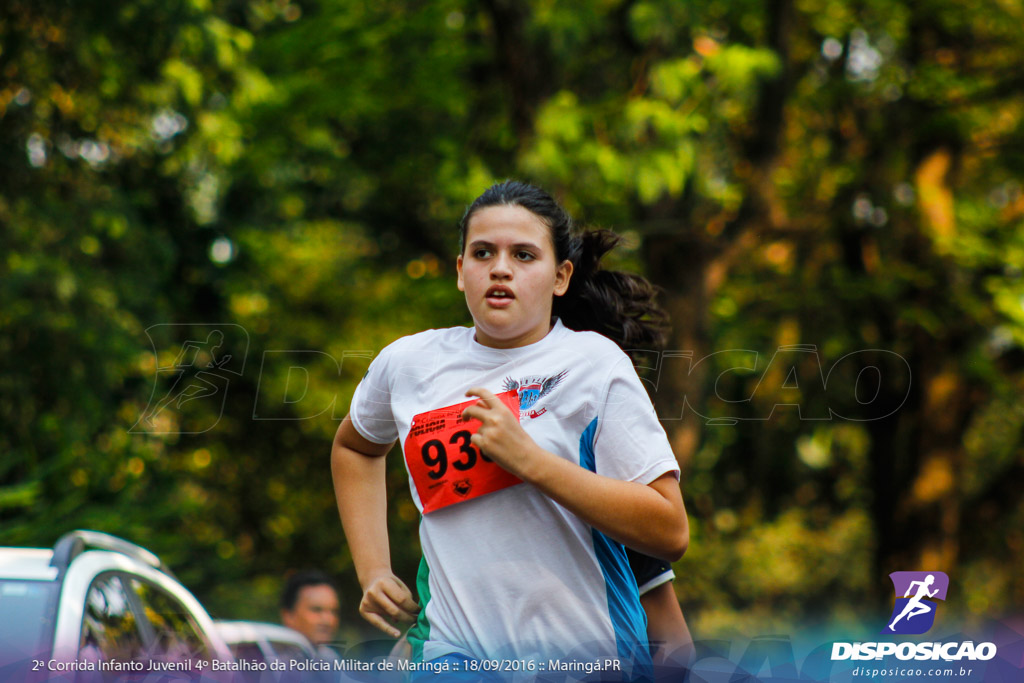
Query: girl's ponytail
{"points": [[618, 305]]}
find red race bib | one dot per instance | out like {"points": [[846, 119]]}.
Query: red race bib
{"points": [[445, 467]]}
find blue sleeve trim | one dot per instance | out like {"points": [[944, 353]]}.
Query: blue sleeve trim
{"points": [[627, 616]]}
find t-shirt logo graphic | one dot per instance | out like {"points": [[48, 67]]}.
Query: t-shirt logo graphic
{"points": [[916, 592], [531, 390]]}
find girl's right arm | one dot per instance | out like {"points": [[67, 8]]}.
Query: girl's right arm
{"points": [[358, 468]]}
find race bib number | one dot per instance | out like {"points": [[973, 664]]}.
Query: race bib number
{"points": [[445, 467]]}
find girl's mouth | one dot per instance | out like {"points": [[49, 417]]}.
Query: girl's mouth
{"points": [[499, 296]]}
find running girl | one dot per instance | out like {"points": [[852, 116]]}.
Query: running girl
{"points": [[532, 449]]}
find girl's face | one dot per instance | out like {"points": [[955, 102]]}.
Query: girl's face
{"points": [[509, 274]]}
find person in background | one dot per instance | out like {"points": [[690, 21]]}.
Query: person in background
{"points": [[309, 605], [667, 632]]}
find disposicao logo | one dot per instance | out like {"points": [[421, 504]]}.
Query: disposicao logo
{"points": [[916, 593], [913, 614]]}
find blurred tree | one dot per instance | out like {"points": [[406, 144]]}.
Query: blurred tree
{"points": [[824, 174], [113, 132]]}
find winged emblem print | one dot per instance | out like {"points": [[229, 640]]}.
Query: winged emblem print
{"points": [[533, 389]]}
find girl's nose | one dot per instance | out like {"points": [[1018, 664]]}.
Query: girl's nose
{"points": [[501, 266]]}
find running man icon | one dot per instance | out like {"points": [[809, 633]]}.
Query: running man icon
{"points": [[187, 367], [915, 606], [200, 374], [919, 590]]}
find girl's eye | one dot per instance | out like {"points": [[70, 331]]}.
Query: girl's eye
{"points": [[525, 256], [482, 253]]}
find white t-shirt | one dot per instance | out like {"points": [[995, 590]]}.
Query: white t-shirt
{"points": [[512, 573]]}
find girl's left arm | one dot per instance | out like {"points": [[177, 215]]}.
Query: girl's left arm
{"points": [[650, 518]]}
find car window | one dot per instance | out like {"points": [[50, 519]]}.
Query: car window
{"points": [[26, 619], [249, 652], [288, 651], [178, 635], [110, 628]]}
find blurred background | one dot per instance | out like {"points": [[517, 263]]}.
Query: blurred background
{"points": [[828, 192]]}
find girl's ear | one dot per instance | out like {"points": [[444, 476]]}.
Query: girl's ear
{"points": [[562, 276], [458, 268]]}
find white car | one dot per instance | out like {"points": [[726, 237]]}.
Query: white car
{"points": [[258, 646], [262, 642], [98, 607]]}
